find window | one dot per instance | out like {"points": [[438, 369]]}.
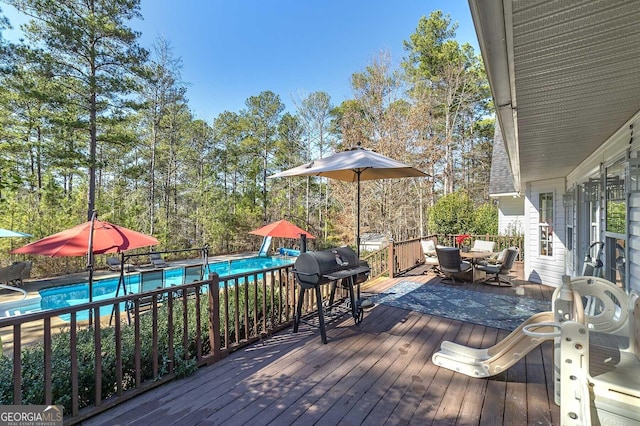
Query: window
{"points": [[616, 199], [545, 223]]}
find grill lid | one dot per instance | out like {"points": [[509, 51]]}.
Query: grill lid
{"points": [[312, 268]]}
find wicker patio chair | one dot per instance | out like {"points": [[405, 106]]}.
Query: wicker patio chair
{"points": [[450, 263]]}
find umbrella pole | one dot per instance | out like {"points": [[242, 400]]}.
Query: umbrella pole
{"points": [[90, 291], [358, 228], [205, 262], [358, 218], [90, 263]]}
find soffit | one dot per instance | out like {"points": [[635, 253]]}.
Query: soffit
{"points": [[574, 77]]}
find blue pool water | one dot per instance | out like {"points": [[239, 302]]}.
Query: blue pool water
{"points": [[76, 294]]}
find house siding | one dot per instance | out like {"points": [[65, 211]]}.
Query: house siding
{"points": [[633, 236], [545, 269], [511, 216]]}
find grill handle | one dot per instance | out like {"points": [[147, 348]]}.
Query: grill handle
{"points": [[307, 274], [339, 259]]}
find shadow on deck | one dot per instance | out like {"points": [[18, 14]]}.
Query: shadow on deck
{"points": [[376, 373]]}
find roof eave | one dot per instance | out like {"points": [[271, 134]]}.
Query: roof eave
{"points": [[496, 46]]}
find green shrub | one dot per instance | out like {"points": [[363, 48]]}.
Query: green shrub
{"points": [[485, 219], [456, 214], [452, 214]]}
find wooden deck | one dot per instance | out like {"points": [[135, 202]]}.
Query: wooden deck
{"points": [[379, 372]]}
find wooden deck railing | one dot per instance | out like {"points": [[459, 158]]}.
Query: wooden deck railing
{"points": [[405, 255], [378, 262], [161, 335], [502, 241]]}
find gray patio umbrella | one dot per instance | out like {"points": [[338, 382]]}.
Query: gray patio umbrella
{"points": [[354, 165]]}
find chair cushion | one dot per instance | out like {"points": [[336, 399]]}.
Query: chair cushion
{"points": [[428, 247], [482, 245], [492, 269], [498, 258], [431, 260], [465, 266]]}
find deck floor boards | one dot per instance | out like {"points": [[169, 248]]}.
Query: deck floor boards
{"points": [[378, 372]]}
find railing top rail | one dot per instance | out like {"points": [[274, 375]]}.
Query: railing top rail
{"points": [[35, 316], [253, 273]]}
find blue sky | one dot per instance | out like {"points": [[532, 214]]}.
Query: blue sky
{"points": [[234, 49]]}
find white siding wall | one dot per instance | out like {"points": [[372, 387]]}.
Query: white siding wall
{"points": [[510, 215], [545, 269], [634, 242]]}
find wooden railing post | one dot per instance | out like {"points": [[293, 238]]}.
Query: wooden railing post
{"points": [[214, 316], [392, 263]]}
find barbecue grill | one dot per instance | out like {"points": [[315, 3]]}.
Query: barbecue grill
{"points": [[313, 269]]}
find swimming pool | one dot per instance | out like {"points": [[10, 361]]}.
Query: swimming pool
{"points": [[78, 293]]}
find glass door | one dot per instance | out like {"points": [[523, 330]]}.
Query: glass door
{"points": [[616, 224]]}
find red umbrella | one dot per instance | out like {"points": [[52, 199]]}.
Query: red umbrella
{"points": [[87, 239], [107, 238], [281, 229]]}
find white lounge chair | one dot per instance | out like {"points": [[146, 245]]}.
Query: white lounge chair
{"points": [[430, 255]]}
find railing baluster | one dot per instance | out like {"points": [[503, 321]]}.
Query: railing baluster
{"points": [[245, 302], [227, 334], [17, 365], [170, 324], [73, 355], [214, 317], [237, 311], [255, 304], [137, 343], [118, 342], [154, 325], [198, 325], [268, 314], [185, 325], [48, 367], [281, 287], [97, 352]]}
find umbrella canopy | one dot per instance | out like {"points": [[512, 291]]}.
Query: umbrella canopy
{"points": [[354, 165], [87, 239], [5, 233], [281, 229], [107, 238]]}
